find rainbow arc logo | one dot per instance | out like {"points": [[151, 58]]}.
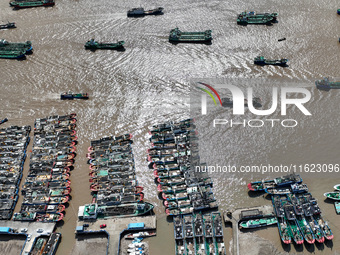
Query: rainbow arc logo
{"points": [[204, 97]]}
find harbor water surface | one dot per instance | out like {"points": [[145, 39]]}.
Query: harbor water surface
{"points": [[148, 84]]}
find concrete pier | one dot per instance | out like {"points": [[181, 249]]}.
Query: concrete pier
{"points": [[235, 217], [113, 227], [34, 230]]}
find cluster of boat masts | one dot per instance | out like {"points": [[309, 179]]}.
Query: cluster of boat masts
{"points": [[199, 234], [113, 178], [172, 158], [47, 186], [13, 145], [298, 213]]}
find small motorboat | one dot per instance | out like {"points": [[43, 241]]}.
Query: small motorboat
{"points": [[282, 39], [3, 121], [70, 95]]}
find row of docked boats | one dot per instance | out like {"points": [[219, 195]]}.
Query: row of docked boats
{"points": [[13, 144], [113, 180], [299, 218], [47, 187], [172, 158], [199, 234]]}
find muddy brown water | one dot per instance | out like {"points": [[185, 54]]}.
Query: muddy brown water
{"points": [[148, 84]]}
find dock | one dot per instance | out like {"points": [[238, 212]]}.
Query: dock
{"points": [[113, 229], [244, 214], [19, 228]]}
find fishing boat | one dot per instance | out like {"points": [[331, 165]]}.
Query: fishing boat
{"points": [[124, 210], [324, 226], [337, 187], [282, 39], [337, 207], [305, 229], [24, 216], [94, 45], [49, 217], [8, 25], [326, 84], [189, 245], [333, 195], [298, 188], [252, 17], [70, 95], [278, 191], [318, 234], [217, 224], [282, 181], [188, 226], [260, 60], [12, 54], [30, 4], [180, 247], [177, 36], [292, 223], [178, 228], [198, 224], [3, 121], [138, 12], [257, 223]]}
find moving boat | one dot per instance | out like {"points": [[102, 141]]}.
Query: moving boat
{"points": [[70, 95], [8, 25], [7, 46], [326, 84], [94, 45], [29, 4], [12, 54], [260, 60], [333, 195], [138, 12], [177, 36], [252, 17]]}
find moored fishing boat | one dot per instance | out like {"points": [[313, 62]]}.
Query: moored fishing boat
{"points": [[3, 121], [323, 226], [337, 187], [292, 223], [305, 229], [125, 210], [318, 234], [332, 195], [188, 226], [178, 227], [282, 181], [257, 223], [337, 207], [24, 216], [141, 234], [49, 217]]}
